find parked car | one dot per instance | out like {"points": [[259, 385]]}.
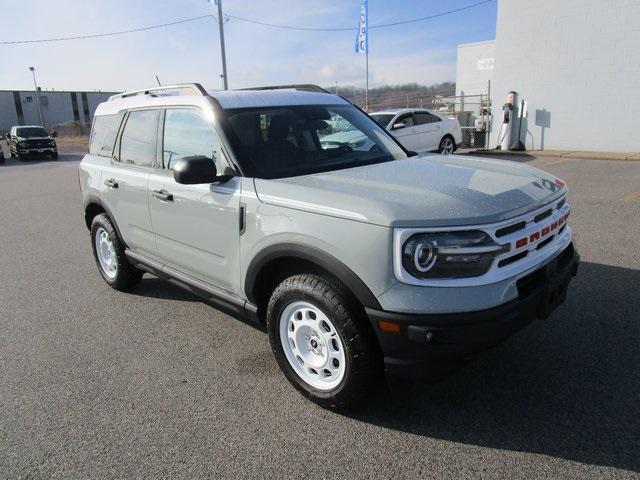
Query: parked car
{"points": [[31, 141], [421, 130], [356, 261]]}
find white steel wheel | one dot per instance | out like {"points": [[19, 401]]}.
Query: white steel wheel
{"points": [[106, 253], [447, 146], [312, 345]]}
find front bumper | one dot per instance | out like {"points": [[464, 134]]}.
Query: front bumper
{"points": [[429, 345], [37, 151]]}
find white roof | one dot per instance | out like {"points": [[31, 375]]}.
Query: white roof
{"points": [[273, 98], [401, 110], [228, 100]]}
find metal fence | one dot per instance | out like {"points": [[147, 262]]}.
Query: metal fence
{"points": [[472, 111]]}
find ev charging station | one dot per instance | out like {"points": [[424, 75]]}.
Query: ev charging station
{"points": [[510, 131]]}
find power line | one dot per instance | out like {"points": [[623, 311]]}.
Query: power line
{"points": [[108, 34], [342, 29], [247, 20]]}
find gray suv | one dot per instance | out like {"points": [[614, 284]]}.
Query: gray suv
{"points": [[356, 257]]}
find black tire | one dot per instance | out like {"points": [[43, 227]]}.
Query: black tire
{"points": [[54, 155], [443, 142], [127, 276], [363, 367]]}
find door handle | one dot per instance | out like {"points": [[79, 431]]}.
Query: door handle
{"points": [[111, 183], [162, 195]]}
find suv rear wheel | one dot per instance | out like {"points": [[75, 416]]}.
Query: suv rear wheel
{"points": [[108, 252], [319, 343]]}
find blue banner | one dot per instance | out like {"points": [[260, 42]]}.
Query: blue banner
{"points": [[362, 39]]}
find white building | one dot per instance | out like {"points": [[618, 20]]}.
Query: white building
{"points": [[577, 65], [20, 107], [474, 70]]}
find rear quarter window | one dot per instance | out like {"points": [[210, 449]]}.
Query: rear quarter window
{"points": [[103, 134]]}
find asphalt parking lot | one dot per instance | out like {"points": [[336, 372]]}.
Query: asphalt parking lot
{"points": [[96, 383]]}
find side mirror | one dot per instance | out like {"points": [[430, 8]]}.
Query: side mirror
{"points": [[399, 125], [195, 170], [54, 134]]}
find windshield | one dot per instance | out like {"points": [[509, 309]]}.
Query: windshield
{"points": [[382, 119], [31, 132], [277, 142]]}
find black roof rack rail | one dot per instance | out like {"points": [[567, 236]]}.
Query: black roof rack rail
{"points": [[305, 87], [195, 88]]}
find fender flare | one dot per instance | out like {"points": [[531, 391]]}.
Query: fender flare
{"points": [[313, 255], [96, 200]]}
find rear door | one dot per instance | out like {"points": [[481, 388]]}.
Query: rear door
{"points": [[406, 135], [429, 128], [125, 181], [196, 226]]}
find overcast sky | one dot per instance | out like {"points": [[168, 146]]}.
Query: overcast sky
{"points": [[423, 52]]}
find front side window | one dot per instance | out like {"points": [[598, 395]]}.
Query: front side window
{"points": [[277, 142], [407, 119], [425, 117], [138, 142], [382, 119], [187, 133], [104, 133]]}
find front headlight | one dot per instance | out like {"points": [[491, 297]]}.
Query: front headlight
{"points": [[450, 254]]}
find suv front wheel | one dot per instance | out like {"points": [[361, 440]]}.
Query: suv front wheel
{"points": [[108, 251], [319, 342]]}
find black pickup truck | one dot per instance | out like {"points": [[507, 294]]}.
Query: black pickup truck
{"points": [[31, 141]]}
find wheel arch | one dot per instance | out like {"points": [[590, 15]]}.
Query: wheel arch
{"points": [[93, 207], [276, 262]]}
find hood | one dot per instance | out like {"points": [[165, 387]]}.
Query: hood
{"points": [[422, 191]]}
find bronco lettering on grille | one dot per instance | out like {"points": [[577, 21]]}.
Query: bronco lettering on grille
{"points": [[542, 233]]}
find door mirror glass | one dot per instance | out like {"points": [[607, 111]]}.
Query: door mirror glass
{"points": [[195, 170], [399, 125]]}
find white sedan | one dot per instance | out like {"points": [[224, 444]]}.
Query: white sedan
{"points": [[421, 130]]}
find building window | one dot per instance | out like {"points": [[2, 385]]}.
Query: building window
{"points": [[28, 99]]}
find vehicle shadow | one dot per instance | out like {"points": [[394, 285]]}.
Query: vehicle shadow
{"points": [[568, 387], [154, 287]]}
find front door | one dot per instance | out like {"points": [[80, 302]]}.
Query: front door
{"points": [[406, 135], [196, 226]]}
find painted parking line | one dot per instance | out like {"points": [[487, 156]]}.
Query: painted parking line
{"points": [[631, 197]]}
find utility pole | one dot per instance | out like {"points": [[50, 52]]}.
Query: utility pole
{"points": [[35, 85], [222, 51]]}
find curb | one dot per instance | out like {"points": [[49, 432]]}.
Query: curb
{"points": [[624, 156]]}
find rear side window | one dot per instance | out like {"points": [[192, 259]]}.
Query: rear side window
{"points": [[104, 133], [187, 133], [138, 142], [425, 117]]}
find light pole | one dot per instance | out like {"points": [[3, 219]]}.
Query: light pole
{"points": [[35, 84], [222, 51]]}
